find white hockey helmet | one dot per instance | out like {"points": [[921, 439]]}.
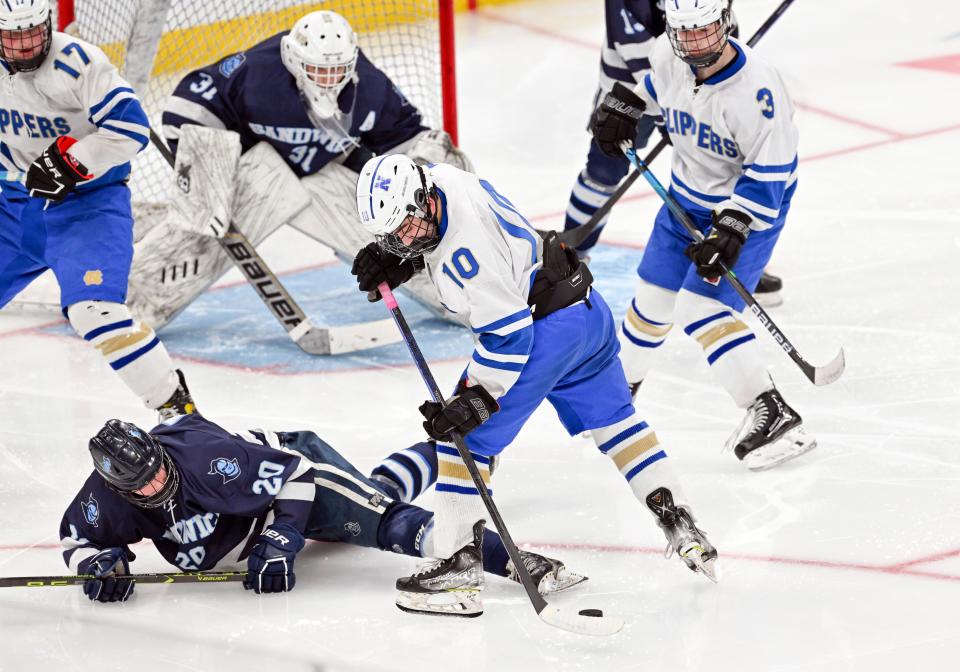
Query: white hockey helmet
{"points": [[321, 53], [25, 33], [390, 189], [698, 29]]}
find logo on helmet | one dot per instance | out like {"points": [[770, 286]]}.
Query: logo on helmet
{"points": [[221, 466], [106, 464], [382, 183], [91, 510]]}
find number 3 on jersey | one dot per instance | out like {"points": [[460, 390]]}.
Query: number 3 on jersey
{"points": [[269, 480], [466, 265]]}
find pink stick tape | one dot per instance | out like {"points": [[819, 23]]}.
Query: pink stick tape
{"points": [[387, 295]]}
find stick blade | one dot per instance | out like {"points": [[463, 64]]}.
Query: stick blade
{"points": [[345, 338], [829, 373], [597, 626]]}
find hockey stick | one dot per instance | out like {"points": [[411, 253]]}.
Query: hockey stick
{"points": [[575, 237], [80, 579], [560, 618], [310, 338], [818, 375]]}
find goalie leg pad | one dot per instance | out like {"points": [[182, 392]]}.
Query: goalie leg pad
{"points": [[131, 348]]}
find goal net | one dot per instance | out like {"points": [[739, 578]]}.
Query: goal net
{"points": [[154, 43]]}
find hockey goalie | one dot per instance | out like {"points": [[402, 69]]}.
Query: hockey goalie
{"points": [[270, 136]]}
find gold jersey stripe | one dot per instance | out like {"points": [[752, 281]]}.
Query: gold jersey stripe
{"points": [[713, 335], [453, 470], [634, 450], [122, 341], [641, 324]]}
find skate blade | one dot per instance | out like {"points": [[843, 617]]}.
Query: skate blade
{"points": [[701, 565], [562, 580], [791, 445], [460, 603]]}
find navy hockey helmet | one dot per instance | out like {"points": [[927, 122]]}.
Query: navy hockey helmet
{"points": [[128, 459]]}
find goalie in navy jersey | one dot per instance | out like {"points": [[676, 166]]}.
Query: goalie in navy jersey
{"points": [[308, 108], [204, 495]]}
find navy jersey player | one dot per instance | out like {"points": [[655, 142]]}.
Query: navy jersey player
{"points": [[540, 333], [204, 495], [309, 108], [72, 124], [734, 171]]}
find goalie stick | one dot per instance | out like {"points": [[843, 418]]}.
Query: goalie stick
{"points": [[560, 618], [310, 338], [575, 237], [818, 375], [80, 579]]}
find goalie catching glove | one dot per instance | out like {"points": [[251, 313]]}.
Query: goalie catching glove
{"points": [[721, 247], [374, 265], [615, 120], [55, 173], [270, 565], [467, 410]]}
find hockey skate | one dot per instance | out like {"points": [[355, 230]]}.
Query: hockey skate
{"points": [[550, 576], [683, 536], [767, 291], [449, 587], [180, 403], [770, 434]]}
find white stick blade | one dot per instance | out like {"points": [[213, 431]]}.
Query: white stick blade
{"points": [[824, 375], [345, 338], [597, 626]]}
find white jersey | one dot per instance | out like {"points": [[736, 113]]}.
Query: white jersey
{"points": [[734, 140], [76, 91], [483, 269]]}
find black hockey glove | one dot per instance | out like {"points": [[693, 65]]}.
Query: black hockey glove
{"points": [[616, 120], [464, 413], [722, 244], [373, 265], [108, 566], [55, 172], [270, 565]]}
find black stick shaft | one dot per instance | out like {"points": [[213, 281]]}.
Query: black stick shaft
{"points": [[539, 604], [576, 237], [80, 579]]}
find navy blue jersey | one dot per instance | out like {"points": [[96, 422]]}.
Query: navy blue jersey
{"points": [[253, 93], [227, 482], [632, 27]]}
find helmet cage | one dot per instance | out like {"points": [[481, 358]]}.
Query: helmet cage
{"points": [[11, 39], [426, 236], [710, 45]]}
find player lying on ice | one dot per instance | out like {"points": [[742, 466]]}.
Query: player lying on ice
{"points": [[541, 333], [204, 495], [734, 171], [308, 108]]}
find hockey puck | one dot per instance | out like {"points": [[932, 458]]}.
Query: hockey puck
{"points": [[596, 613]]}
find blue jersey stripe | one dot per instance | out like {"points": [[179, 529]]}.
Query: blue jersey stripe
{"points": [[772, 168], [123, 361], [766, 194], [519, 342], [503, 366], [93, 333], [646, 463], [518, 232], [690, 328], [606, 446], [142, 139], [636, 341], [719, 352], [113, 93], [504, 321], [704, 197], [648, 83]]}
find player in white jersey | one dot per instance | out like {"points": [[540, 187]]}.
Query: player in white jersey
{"points": [[72, 124], [734, 171], [540, 332]]}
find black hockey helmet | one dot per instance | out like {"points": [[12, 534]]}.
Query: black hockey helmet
{"points": [[128, 458]]}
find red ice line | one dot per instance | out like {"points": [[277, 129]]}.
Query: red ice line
{"points": [[900, 568]]}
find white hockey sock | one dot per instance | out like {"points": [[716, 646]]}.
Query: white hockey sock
{"points": [[132, 349], [644, 329], [635, 450], [729, 344], [457, 503]]}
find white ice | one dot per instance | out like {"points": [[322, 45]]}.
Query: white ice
{"points": [[846, 560]]}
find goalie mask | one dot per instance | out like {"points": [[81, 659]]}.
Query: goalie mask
{"points": [[698, 30], [130, 460], [321, 54], [25, 33], [393, 200]]}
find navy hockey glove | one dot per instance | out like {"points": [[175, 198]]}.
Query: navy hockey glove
{"points": [[616, 120], [373, 265], [466, 411], [722, 244], [270, 565], [108, 566], [55, 172]]}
